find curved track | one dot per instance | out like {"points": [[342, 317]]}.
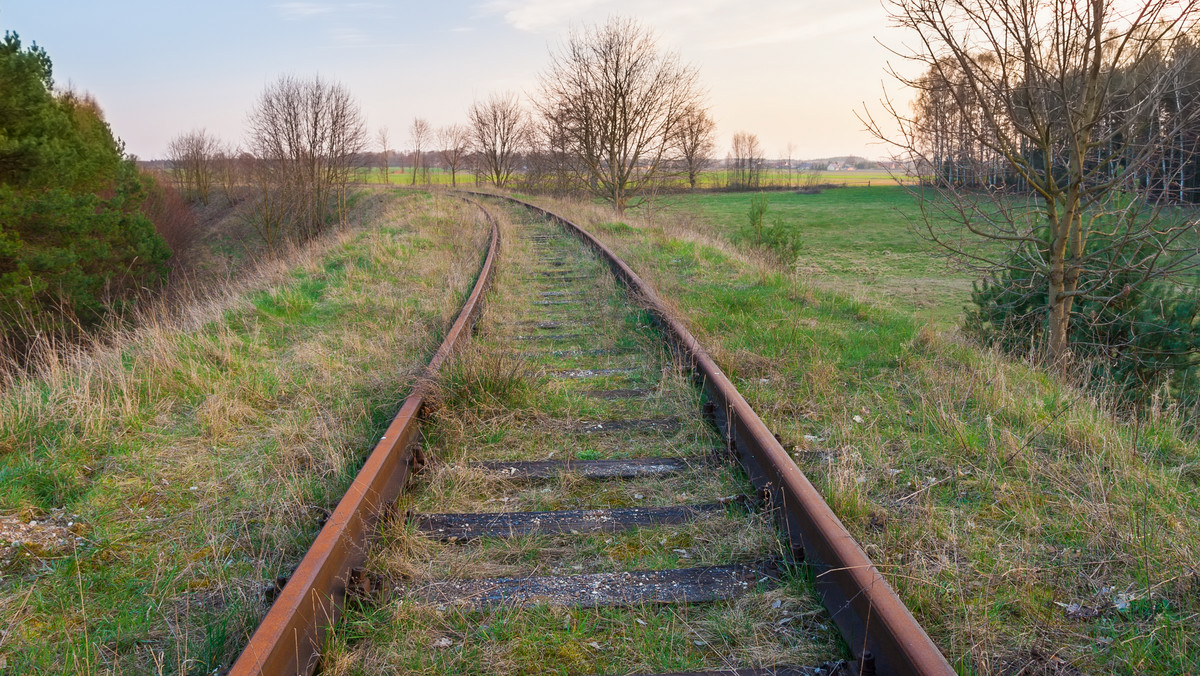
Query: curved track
{"points": [[872, 619], [881, 634]]}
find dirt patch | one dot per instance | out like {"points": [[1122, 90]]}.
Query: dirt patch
{"points": [[49, 535]]}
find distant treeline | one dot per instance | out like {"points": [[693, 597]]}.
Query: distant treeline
{"points": [[1152, 118]]}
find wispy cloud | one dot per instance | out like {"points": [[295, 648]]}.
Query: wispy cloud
{"points": [[308, 10], [303, 10], [831, 24], [347, 24], [536, 16], [702, 24]]}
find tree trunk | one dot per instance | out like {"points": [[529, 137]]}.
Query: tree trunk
{"points": [[1064, 281], [1060, 316]]}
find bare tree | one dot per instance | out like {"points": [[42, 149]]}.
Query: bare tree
{"points": [[500, 128], [419, 135], [306, 137], [455, 143], [551, 156], [193, 157], [273, 206], [624, 102], [744, 164], [381, 137], [229, 169], [346, 143], [696, 141], [1061, 97]]}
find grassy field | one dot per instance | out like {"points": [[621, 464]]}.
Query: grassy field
{"points": [[780, 178], [1028, 527], [857, 241], [149, 487], [870, 178]]}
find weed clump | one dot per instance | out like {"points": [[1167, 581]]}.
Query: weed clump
{"points": [[486, 383], [615, 227]]}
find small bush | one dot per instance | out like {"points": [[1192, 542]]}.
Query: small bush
{"points": [[783, 240], [780, 238], [758, 210], [1145, 341], [615, 227]]}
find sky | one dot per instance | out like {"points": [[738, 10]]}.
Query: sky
{"points": [[790, 71]]}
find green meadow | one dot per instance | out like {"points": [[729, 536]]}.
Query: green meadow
{"points": [[861, 241]]}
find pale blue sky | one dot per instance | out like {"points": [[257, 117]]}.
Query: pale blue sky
{"points": [[787, 70]]}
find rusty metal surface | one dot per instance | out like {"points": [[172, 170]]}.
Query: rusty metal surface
{"points": [[289, 638], [866, 609]]}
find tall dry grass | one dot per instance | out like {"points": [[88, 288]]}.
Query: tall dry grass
{"points": [[195, 452]]}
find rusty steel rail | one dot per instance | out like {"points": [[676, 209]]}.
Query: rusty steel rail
{"points": [[290, 637], [873, 620]]}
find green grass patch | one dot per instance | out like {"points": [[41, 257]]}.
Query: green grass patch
{"points": [[858, 241]]}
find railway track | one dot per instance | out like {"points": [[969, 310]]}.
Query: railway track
{"points": [[616, 508]]}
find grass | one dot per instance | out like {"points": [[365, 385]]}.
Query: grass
{"points": [[1025, 523], [504, 402], [856, 241], [779, 178], [191, 458]]}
